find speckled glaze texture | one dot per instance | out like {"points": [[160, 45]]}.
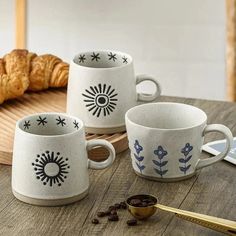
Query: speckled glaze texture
{"points": [[102, 87], [50, 159], [168, 146]]}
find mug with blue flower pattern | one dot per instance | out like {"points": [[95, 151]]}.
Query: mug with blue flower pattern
{"points": [[166, 140]]}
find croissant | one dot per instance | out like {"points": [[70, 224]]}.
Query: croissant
{"points": [[21, 70]]}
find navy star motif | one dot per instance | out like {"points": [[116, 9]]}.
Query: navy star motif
{"points": [[27, 124], [125, 60], [42, 120], [61, 121], [112, 56], [76, 124], [82, 58], [95, 56]]}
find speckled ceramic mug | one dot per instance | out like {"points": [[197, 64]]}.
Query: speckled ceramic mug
{"points": [[50, 161], [102, 87], [166, 140]]}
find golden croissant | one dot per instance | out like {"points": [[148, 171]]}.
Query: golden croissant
{"points": [[21, 70]]}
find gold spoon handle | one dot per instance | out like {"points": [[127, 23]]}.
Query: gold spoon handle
{"points": [[224, 226]]}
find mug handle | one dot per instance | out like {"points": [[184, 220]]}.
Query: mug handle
{"points": [[148, 97], [104, 143], [229, 143]]}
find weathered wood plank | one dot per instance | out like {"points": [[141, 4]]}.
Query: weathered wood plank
{"points": [[211, 192]]}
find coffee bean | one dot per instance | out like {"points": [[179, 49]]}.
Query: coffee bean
{"points": [[107, 213], [113, 212], [144, 204], [113, 217], [132, 222], [112, 208], [123, 205], [95, 221], [101, 214], [117, 206], [135, 202], [147, 200]]}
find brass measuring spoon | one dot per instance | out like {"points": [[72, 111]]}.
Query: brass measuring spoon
{"points": [[143, 212]]}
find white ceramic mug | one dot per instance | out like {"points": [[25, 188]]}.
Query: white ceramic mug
{"points": [[166, 140], [102, 87], [50, 161]]}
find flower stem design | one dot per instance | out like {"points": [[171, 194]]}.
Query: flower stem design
{"points": [[185, 150], [160, 153], [138, 148]]}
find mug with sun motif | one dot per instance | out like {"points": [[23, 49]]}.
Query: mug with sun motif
{"points": [[50, 161], [102, 87]]}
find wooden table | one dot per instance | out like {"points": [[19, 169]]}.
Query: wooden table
{"points": [[212, 191]]}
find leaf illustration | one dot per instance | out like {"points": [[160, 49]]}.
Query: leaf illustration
{"points": [[141, 167], [182, 168], [164, 172], [156, 163], [187, 167], [188, 158], [158, 171], [182, 160], [164, 163], [138, 158], [161, 172]]}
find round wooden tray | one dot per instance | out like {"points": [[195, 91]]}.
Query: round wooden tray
{"points": [[45, 101]]}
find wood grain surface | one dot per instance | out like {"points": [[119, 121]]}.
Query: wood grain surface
{"points": [[212, 191], [53, 100]]}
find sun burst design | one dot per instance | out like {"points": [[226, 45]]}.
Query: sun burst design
{"points": [[51, 168], [101, 99]]}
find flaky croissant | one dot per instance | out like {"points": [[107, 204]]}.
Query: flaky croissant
{"points": [[21, 70]]}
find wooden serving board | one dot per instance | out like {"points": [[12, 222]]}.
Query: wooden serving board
{"points": [[45, 101]]}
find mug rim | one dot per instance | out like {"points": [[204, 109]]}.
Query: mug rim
{"points": [[49, 136], [102, 68], [165, 129]]}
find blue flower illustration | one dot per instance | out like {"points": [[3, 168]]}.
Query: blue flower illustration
{"points": [[160, 153], [185, 150], [138, 148]]}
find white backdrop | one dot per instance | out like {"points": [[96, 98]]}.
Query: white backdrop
{"points": [[180, 42]]}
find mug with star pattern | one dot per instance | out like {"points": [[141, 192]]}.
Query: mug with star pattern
{"points": [[50, 161], [102, 87]]}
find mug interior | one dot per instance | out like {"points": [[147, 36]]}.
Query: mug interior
{"points": [[102, 59], [50, 124], [166, 115]]}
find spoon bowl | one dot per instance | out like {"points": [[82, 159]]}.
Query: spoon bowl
{"points": [[143, 206], [142, 212]]}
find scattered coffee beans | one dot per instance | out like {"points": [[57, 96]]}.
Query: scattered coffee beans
{"points": [[132, 222], [101, 214], [95, 221], [117, 206], [123, 205], [113, 212], [113, 217]]}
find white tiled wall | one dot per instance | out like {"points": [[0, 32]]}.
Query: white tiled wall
{"points": [[181, 42]]}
